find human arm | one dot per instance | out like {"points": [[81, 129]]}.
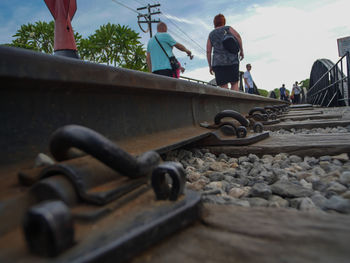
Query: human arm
{"points": [[209, 49], [149, 63], [184, 49], [239, 39]]}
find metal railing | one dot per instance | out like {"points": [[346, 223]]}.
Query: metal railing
{"points": [[332, 88], [197, 81]]}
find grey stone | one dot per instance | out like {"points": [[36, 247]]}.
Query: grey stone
{"points": [[325, 165], [218, 166], [346, 195], [277, 201], [307, 204], [237, 192], [198, 185], [295, 159], [253, 158], [341, 157], [336, 187], [338, 204], [222, 156], [215, 176], [291, 190], [306, 184], [345, 178], [319, 200], [233, 160], [318, 171], [256, 201], [261, 190], [210, 155], [326, 158], [269, 177], [256, 170], [337, 162], [193, 176], [243, 159], [43, 160], [197, 153], [312, 161], [319, 186], [304, 165]]}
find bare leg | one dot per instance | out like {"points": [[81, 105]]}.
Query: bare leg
{"points": [[224, 86], [234, 86]]}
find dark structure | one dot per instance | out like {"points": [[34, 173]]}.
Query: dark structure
{"points": [[329, 83]]}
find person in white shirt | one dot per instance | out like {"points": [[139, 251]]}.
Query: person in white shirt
{"points": [[248, 80], [296, 91]]}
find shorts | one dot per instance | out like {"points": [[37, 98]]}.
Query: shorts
{"points": [[164, 72], [226, 74]]}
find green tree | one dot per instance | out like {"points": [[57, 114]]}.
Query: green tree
{"points": [[114, 44], [110, 44], [263, 92], [38, 37], [305, 83]]}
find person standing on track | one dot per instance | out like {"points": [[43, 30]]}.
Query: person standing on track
{"points": [[224, 63], [283, 92], [248, 80], [157, 60], [296, 91]]}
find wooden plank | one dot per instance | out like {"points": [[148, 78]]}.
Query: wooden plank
{"points": [[309, 124], [299, 113], [300, 144], [238, 234], [312, 117]]}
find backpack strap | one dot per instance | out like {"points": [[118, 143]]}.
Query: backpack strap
{"points": [[161, 46]]}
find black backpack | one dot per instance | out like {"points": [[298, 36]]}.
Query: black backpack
{"points": [[230, 43]]}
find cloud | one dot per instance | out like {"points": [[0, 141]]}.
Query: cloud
{"points": [[282, 41]]}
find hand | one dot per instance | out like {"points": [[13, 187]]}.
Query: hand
{"points": [[189, 53], [182, 69], [211, 70], [241, 55]]}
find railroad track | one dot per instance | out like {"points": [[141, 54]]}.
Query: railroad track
{"points": [[115, 200]]}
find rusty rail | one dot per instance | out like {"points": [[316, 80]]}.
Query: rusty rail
{"points": [[40, 93]]}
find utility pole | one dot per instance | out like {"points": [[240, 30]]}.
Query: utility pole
{"points": [[148, 17]]}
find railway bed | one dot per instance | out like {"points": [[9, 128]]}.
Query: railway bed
{"points": [[248, 197]]}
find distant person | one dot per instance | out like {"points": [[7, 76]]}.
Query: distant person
{"points": [[296, 91], [157, 60], [225, 64], [248, 80], [283, 93]]}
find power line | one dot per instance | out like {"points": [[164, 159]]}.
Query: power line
{"points": [[126, 6], [140, 2], [183, 32]]}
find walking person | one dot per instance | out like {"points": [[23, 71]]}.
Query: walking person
{"points": [[283, 93], [248, 80], [297, 91], [224, 63], [159, 49]]}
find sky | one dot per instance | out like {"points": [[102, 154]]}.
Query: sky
{"points": [[281, 38]]}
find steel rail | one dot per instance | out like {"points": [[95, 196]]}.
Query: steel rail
{"points": [[40, 93]]}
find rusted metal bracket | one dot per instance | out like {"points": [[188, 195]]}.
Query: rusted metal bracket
{"points": [[227, 129], [105, 183]]}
